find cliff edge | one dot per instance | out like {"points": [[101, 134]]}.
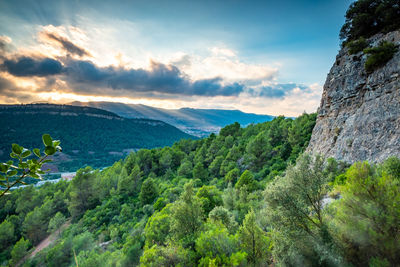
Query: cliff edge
{"points": [[359, 115]]}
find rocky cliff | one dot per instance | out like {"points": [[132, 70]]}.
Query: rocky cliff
{"points": [[359, 115]]}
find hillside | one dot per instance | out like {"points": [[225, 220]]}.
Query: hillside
{"points": [[89, 136], [125, 213], [198, 122]]}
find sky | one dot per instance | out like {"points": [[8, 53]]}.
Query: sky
{"points": [[265, 57]]}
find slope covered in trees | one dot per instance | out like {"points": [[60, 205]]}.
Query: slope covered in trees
{"points": [[90, 136], [130, 203], [233, 199]]}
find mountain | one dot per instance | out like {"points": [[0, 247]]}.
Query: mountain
{"points": [[198, 122], [359, 115], [88, 135]]}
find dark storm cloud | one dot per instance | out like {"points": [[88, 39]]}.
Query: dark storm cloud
{"points": [[28, 66], [279, 90], [213, 87], [67, 44], [161, 78]]}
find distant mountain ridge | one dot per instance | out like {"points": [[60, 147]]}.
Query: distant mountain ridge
{"points": [[89, 136], [199, 122]]}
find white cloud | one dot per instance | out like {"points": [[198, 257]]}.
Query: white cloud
{"points": [[224, 63]]}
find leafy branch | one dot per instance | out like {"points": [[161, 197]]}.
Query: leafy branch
{"points": [[24, 167]]}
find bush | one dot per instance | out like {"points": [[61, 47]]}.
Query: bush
{"points": [[357, 45], [378, 56]]}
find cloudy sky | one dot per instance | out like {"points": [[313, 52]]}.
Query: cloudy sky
{"points": [[267, 57]]}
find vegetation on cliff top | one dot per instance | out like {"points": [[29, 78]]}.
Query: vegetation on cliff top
{"points": [[365, 18]]}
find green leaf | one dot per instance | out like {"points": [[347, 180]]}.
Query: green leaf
{"points": [[36, 151], [47, 141], [13, 155], [12, 173], [46, 161], [2, 178], [59, 148], [21, 182], [26, 153], [3, 184], [3, 167], [23, 165], [56, 142], [17, 149], [49, 150]]}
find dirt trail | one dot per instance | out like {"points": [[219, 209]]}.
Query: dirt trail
{"points": [[45, 243]]}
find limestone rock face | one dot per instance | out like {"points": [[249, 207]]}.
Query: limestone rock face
{"points": [[359, 115]]}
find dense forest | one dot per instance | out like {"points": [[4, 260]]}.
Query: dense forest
{"points": [[233, 199], [90, 136], [245, 197]]}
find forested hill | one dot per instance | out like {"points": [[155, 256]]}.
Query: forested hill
{"points": [[199, 122], [90, 136], [140, 210]]}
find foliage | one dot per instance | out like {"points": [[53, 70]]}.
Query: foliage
{"points": [[16, 173], [253, 240], [155, 206], [365, 18], [247, 180], [216, 245], [367, 218], [98, 139], [82, 194], [296, 214], [56, 222], [187, 216], [357, 46], [19, 251], [165, 256], [378, 56], [148, 192]]}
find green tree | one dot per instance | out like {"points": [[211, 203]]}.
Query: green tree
{"points": [[295, 212], [130, 184], [367, 218], [199, 172], [187, 217], [82, 192], [365, 18], [209, 197], [247, 179], [148, 192], [157, 230], [7, 237], [216, 244], [232, 129], [56, 222], [216, 165], [171, 255], [19, 251], [221, 214], [232, 175], [185, 169], [253, 240]]}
